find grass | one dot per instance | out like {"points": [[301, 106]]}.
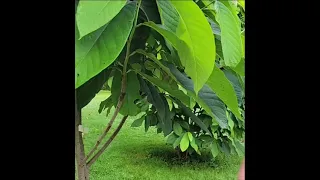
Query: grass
{"points": [[135, 154]]}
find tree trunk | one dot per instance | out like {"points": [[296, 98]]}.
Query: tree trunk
{"points": [[83, 171]]}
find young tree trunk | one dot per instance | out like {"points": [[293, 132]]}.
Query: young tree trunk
{"points": [[83, 171]]}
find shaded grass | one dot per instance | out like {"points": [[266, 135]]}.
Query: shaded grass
{"points": [[135, 154]]}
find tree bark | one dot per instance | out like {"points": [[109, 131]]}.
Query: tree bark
{"points": [[83, 171]]}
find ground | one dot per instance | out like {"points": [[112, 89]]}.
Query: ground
{"points": [[135, 154]]}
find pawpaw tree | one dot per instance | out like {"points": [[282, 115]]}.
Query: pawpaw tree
{"points": [[179, 63]]}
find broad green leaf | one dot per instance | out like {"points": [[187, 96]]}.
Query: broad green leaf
{"points": [[230, 34], [88, 90], [160, 104], [132, 93], [165, 86], [239, 69], [236, 84], [239, 147], [184, 143], [196, 32], [177, 129], [206, 97], [214, 149], [193, 117], [152, 118], [168, 14], [105, 104], [97, 51], [172, 138], [184, 124], [138, 122], [177, 142], [92, 15], [225, 148], [190, 136], [195, 146], [224, 90]]}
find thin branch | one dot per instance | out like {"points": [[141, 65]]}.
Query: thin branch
{"points": [[95, 157], [123, 88]]}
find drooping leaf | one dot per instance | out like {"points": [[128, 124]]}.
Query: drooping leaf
{"points": [[239, 147], [190, 136], [236, 84], [195, 146], [177, 142], [152, 118], [105, 104], [88, 91], [214, 149], [193, 117], [160, 104], [184, 143], [138, 122], [132, 93], [230, 34], [215, 27], [239, 69], [206, 97], [165, 86], [224, 90], [196, 32], [98, 50], [184, 124], [91, 15], [172, 138], [177, 129]]}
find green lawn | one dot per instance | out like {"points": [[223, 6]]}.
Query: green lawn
{"points": [[135, 154]]}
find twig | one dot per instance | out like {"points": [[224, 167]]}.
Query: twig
{"points": [[123, 87], [95, 157]]}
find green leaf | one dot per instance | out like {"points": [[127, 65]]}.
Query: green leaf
{"points": [[177, 142], [165, 86], [98, 50], [214, 149], [177, 129], [184, 124], [105, 104], [132, 93], [206, 97], [88, 90], [152, 118], [160, 104], [193, 117], [239, 69], [224, 90], [190, 136], [92, 15], [236, 85], [239, 148], [138, 122], [172, 138], [168, 14], [230, 34], [184, 143], [196, 32], [194, 145]]}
